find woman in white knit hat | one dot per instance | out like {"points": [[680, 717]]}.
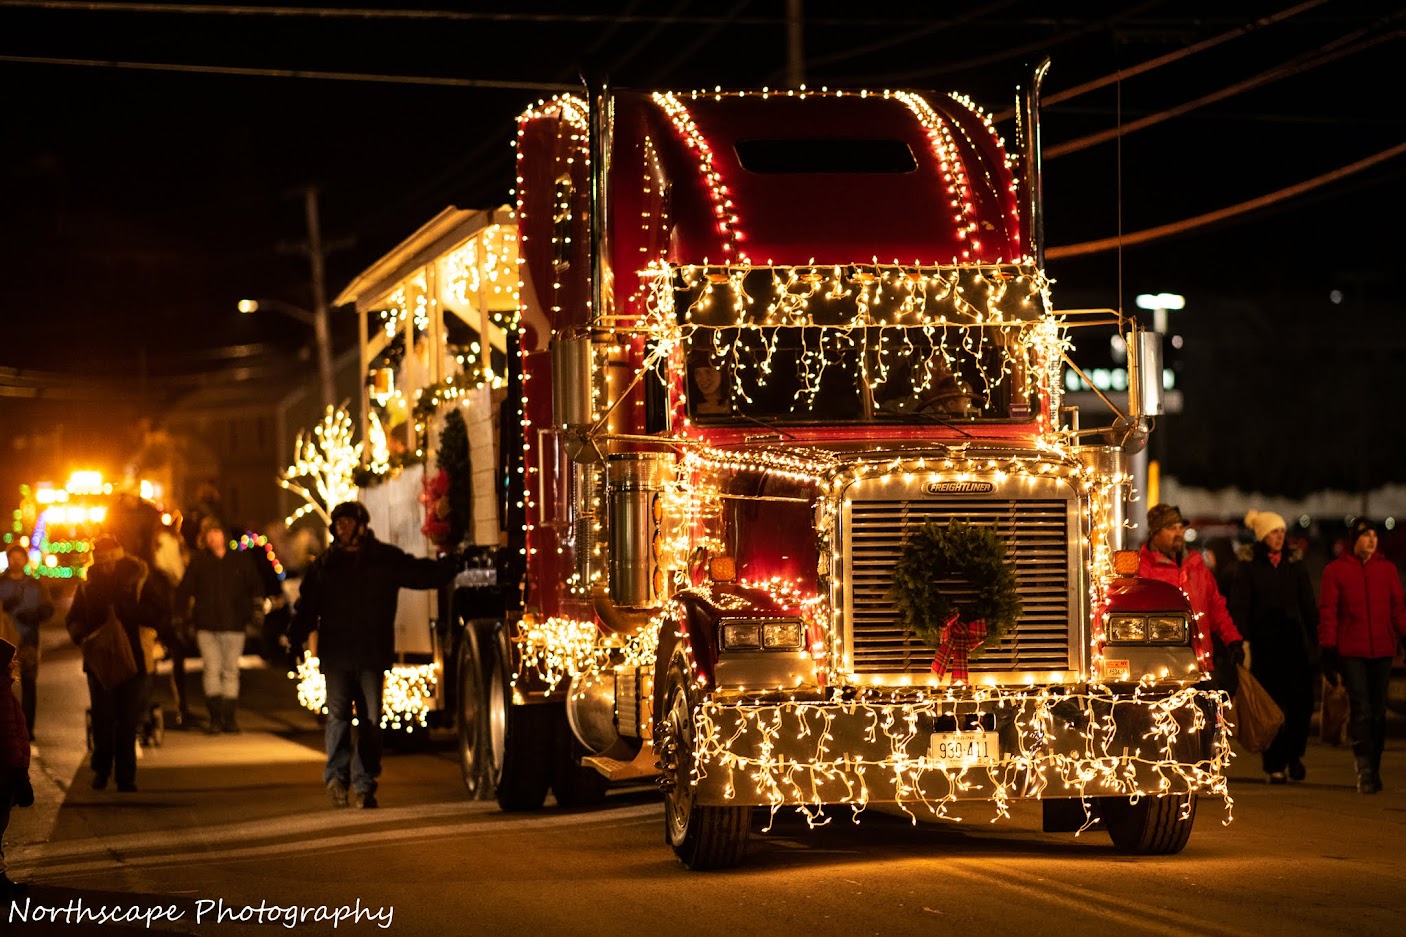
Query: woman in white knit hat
{"points": [[1272, 603]]}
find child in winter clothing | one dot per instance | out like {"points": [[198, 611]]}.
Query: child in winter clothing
{"points": [[15, 789]]}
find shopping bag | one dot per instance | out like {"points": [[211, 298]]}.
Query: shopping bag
{"points": [[107, 654], [1332, 720], [1257, 717]]}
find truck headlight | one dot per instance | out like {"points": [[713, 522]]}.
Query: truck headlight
{"points": [[1123, 629], [1154, 629], [741, 636], [1166, 629], [781, 635]]}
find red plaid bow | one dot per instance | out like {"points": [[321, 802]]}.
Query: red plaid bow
{"points": [[959, 639]]}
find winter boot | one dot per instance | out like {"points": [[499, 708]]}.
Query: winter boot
{"points": [[217, 718], [1367, 782], [229, 724]]}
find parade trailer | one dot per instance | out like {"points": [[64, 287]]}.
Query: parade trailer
{"points": [[747, 418]]}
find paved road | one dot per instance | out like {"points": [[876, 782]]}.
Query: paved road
{"points": [[243, 820]]}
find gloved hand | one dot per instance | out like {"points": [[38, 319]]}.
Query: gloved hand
{"points": [[294, 652], [1332, 664], [1237, 653], [24, 793]]}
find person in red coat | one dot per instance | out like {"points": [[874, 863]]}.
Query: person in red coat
{"points": [[1361, 613], [1164, 556], [15, 790]]}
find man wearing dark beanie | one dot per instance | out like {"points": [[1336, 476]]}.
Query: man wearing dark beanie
{"points": [[1164, 556], [1361, 614]]}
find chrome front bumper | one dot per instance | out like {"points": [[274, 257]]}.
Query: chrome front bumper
{"points": [[1088, 742]]}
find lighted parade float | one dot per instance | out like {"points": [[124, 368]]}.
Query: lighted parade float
{"points": [[747, 418]]}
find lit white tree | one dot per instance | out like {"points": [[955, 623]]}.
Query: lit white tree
{"points": [[321, 473]]}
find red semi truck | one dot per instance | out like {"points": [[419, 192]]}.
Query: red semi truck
{"points": [[748, 418]]}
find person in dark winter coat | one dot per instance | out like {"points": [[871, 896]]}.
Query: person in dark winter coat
{"points": [[115, 581], [348, 595], [223, 586], [1165, 557], [27, 602], [140, 529], [1271, 600], [1361, 614], [15, 789]]}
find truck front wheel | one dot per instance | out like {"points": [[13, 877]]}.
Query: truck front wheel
{"points": [[481, 713], [704, 837], [1154, 826], [528, 736]]}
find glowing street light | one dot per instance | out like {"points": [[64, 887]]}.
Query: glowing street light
{"points": [[320, 330], [1160, 304]]}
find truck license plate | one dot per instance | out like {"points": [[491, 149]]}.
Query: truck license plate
{"points": [[968, 749]]}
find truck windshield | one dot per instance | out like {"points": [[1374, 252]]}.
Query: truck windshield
{"points": [[881, 374]]}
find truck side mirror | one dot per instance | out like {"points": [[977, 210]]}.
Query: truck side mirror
{"points": [[1144, 374]]}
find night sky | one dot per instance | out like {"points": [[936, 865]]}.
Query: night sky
{"points": [[141, 205]]}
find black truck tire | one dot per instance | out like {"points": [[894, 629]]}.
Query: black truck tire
{"points": [[1154, 826], [573, 784], [477, 713], [703, 837], [528, 740]]}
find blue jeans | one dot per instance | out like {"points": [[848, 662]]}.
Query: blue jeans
{"points": [[357, 766], [1366, 679]]}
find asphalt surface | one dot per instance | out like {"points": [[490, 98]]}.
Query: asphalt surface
{"points": [[229, 835]]}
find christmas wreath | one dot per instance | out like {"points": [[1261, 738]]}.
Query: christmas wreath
{"points": [[447, 500], [934, 559]]}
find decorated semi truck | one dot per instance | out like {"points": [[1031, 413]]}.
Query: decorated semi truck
{"points": [[747, 420]]}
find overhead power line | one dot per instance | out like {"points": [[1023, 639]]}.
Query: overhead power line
{"points": [[1143, 67], [1200, 221], [1319, 57], [1039, 46], [499, 83], [449, 15], [910, 35]]}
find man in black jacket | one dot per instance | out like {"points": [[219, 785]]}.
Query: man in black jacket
{"points": [[349, 597]]}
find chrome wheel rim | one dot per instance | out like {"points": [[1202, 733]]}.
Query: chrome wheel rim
{"points": [[678, 760]]}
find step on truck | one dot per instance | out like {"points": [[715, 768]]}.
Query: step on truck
{"points": [[747, 419]]}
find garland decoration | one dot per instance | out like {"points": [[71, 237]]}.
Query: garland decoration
{"points": [[367, 477], [447, 497], [937, 561]]}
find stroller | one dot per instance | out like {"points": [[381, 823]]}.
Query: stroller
{"points": [[151, 731]]}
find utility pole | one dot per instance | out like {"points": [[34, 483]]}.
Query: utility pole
{"points": [[319, 299], [795, 45]]}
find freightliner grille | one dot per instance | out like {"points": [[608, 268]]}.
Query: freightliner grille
{"points": [[1037, 534]]}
